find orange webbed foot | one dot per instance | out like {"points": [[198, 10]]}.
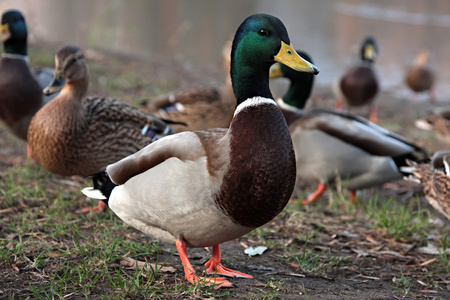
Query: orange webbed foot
{"points": [[189, 274], [215, 267], [314, 196], [100, 207]]}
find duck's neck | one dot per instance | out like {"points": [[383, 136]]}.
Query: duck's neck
{"points": [[296, 96], [76, 89], [249, 82], [12, 46]]}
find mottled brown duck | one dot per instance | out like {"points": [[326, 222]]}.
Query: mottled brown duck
{"points": [[21, 86], [79, 135], [202, 188], [420, 77], [359, 85], [437, 121], [436, 180], [199, 107]]}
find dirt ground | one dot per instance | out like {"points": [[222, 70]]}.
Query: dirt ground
{"points": [[329, 250]]}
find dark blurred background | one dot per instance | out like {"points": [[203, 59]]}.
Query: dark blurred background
{"points": [[194, 31]]}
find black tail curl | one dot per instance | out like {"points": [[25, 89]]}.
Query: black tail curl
{"points": [[104, 184], [400, 160]]}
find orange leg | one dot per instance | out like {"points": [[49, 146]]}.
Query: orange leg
{"points": [[215, 267], [338, 104], [373, 114], [313, 197], [29, 152], [100, 207], [189, 272], [353, 198]]}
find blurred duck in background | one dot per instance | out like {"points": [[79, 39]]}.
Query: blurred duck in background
{"points": [[359, 85], [21, 86], [79, 135], [437, 121], [199, 107], [333, 147], [420, 77], [299, 91]]}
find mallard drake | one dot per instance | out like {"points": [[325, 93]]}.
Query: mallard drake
{"points": [[78, 135], [436, 180], [359, 84], [420, 77], [301, 84], [438, 121], [199, 107], [203, 188], [332, 145], [21, 86]]}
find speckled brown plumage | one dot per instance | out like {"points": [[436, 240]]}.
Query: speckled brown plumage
{"points": [[420, 77], [439, 122], [75, 135], [199, 107], [436, 181]]}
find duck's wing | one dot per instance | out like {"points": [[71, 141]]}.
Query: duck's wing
{"points": [[357, 131], [186, 146], [101, 110]]}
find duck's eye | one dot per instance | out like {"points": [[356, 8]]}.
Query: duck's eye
{"points": [[263, 32], [74, 59]]}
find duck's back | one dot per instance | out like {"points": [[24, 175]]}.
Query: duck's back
{"points": [[20, 95]]}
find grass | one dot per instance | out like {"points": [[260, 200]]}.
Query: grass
{"points": [[399, 221], [311, 261]]}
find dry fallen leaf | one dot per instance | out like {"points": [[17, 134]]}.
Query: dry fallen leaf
{"points": [[244, 245], [132, 264]]}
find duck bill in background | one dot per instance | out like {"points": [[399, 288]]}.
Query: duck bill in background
{"points": [[57, 83], [370, 53], [289, 57], [5, 34], [275, 71]]}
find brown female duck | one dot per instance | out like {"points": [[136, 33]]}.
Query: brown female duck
{"points": [[79, 135], [436, 180], [420, 77], [200, 107]]}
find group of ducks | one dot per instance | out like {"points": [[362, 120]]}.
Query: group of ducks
{"points": [[203, 185]]}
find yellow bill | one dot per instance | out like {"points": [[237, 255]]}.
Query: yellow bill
{"points": [[289, 57], [57, 83], [275, 71], [5, 34], [369, 52]]}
